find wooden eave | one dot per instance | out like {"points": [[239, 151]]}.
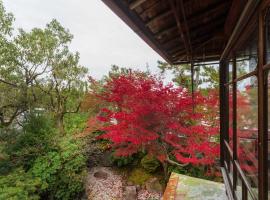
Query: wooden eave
{"points": [[178, 30]]}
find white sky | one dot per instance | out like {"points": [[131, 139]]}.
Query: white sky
{"points": [[101, 38]]}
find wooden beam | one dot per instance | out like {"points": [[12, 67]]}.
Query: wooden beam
{"points": [[176, 8], [165, 31], [135, 4], [232, 17], [220, 8], [182, 9], [249, 8], [158, 17], [121, 8]]}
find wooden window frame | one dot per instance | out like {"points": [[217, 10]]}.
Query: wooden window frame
{"points": [[258, 13]]}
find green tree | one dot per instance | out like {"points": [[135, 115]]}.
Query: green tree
{"points": [[205, 76], [37, 70]]}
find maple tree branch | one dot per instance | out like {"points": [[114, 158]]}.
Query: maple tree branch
{"points": [[176, 163]]}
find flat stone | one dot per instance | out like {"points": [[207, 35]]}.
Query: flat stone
{"points": [[182, 187], [153, 185], [130, 193], [101, 175]]}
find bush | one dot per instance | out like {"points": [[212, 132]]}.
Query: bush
{"points": [[139, 176], [150, 163], [36, 138], [19, 185], [121, 160], [62, 172], [75, 122], [50, 167]]}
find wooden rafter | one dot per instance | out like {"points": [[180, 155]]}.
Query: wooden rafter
{"points": [[176, 11], [135, 4], [158, 17], [216, 9]]}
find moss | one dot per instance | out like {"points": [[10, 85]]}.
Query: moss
{"points": [[150, 163], [139, 176]]}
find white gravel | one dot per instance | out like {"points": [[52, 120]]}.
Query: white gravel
{"points": [[111, 188]]}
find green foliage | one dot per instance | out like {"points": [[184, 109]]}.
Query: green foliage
{"points": [[37, 70], [205, 76], [139, 176], [36, 138], [75, 122], [19, 185], [62, 172], [150, 163], [121, 160], [58, 163], [23, 146]]}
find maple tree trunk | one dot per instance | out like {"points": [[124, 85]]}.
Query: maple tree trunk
{"points": [[165, 171]]}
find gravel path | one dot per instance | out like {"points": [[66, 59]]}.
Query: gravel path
{"points": [[101, 188], [103, 183]]}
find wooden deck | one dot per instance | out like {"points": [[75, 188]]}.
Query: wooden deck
{"points": [[181, 187]]}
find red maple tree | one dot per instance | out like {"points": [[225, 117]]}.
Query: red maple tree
{"points": [[144, 114]]}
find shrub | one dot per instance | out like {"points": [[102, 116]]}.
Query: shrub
{"points": [[121, 161], [19, 185], [150, 163], [139, 176], [75, 122], [36, 138], [62, 172]]}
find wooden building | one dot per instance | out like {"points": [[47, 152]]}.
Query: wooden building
{"points": [[236, 34]]}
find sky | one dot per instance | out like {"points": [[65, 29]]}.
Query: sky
{"points": [[101, 37]]}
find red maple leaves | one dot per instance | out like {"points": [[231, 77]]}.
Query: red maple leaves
{"points": [[144, 114]]}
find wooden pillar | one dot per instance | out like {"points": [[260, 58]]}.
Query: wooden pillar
{"points": [[223, 96], [262, 112]]}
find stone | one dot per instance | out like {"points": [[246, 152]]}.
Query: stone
{"points": [[101, 175], [130, 193], [138, 187], [153, 185], [129, 183]]}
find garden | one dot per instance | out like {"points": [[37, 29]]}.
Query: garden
{"points": [[66, 135]]}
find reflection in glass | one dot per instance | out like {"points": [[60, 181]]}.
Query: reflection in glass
{"points": [[268, 135], [268, 37], [247, 129], [230, 70], [247, 56], [238, 189], [231, 116]]}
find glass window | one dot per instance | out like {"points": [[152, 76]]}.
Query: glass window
{"points": [[268, 37], [231, 116], [238, 188], [247, 56], [268, 135], [247, 129], [230, 71]]}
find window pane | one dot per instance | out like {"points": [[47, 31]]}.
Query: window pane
{"points": [[247, 55], [247, 129], [268, 135], [230, 70], [238, 188], [268, 37], [231, 116]]}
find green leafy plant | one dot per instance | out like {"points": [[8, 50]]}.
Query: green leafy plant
{"points": [[139, 176], [19, 185], [150, 163], [62, 172], [36, 138], [121, 161]]}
